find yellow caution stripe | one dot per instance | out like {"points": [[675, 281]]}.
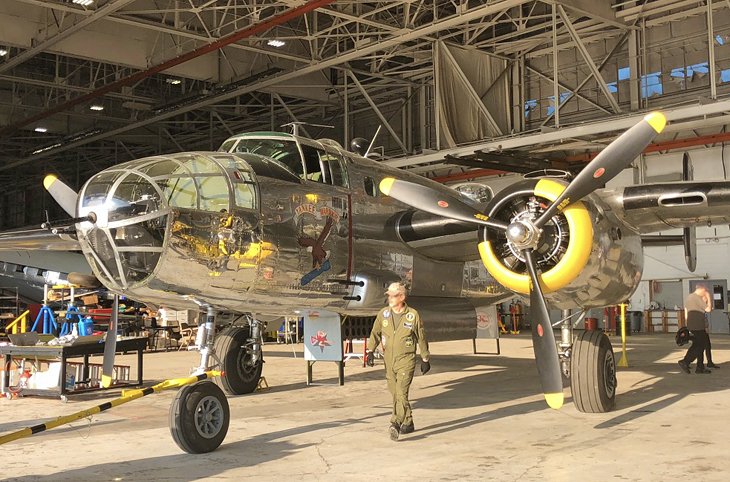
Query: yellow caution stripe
{"points": [[127, 396]]}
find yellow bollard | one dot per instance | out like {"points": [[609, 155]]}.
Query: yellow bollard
{"points": [[624, 361]]}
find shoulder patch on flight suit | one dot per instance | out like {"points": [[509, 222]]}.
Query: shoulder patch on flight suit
{"points": [[410, 316], [386, 313]]}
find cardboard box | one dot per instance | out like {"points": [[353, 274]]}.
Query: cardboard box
{"points": [[90, 300]]}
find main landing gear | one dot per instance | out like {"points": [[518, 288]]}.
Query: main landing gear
{"points": [[589, 362], [199, 415]]}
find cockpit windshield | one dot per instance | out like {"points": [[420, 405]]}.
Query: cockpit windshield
{"points": [[281, 150]]}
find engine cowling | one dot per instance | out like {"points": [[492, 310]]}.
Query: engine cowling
{"points": [[587, 256]]}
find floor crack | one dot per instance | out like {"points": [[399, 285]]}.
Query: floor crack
{"points": [[321, 457]]}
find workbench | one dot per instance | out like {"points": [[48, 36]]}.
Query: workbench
{"points": [[63, 353]]}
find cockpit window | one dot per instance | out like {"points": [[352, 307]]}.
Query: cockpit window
{"points": [[180, 192], [283, 151], [213, 193], [199, 164], [312, 161], [227, 145], [98, 188]]}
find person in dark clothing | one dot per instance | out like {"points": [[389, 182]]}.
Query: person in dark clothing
{"points": [[696, 305], [708, 347]]}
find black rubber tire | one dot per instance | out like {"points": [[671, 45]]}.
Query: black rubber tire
{"points": [[239, 377], [593, 373], [189, 430]]}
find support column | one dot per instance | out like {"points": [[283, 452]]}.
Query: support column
{"points": [[634, 70], [711, 48], [556, 86]]}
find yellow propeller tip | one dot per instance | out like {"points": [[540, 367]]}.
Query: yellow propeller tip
{"points": [[48, 181], [657, 121], [554, 400], [386, 184], [106, 381]]}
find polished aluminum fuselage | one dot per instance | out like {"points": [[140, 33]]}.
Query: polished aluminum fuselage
{"points": [[305, 244]]}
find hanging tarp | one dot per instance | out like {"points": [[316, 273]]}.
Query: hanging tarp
{"points": [[472, 90]]}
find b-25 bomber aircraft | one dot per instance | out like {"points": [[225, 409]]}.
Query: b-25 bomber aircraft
{"points": [[275, 222]]}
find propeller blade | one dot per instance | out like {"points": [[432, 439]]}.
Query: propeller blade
{"points": [[432, 201], [543, 340], [110, 346], [64, 195], [608, 163]]}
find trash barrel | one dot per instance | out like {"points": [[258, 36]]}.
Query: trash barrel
{"points": [[637, 321], [590, 323], [628, 324]]}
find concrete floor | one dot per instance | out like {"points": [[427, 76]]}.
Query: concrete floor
{"points": [[478, 417]]}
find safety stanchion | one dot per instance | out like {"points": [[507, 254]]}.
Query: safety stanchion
{"points": [[624, 361]]}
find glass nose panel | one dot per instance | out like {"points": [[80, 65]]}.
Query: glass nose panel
{"points": [[127, 247]]}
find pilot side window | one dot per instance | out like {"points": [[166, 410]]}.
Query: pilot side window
{"points": [[244, 188], [369, 185], [312, 163], [334, 169]]}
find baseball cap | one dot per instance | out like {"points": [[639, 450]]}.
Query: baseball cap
{"points": [[396, 289]]}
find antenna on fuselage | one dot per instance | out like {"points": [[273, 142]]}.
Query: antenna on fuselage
{"points": [[370, 147], [295, 127]]}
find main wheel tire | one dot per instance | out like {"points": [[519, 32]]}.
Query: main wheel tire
{"points": [[240, 376], [593, 373], [199, 417]]}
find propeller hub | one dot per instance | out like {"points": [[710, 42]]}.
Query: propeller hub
{"points": [[523, 235]]}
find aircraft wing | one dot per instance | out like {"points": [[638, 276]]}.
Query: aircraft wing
{"points": [[656, 207], [37, 239]]}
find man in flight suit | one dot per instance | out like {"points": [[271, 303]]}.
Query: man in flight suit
{"points": [[398, 328]]}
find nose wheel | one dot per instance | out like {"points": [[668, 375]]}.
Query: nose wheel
{"points": [[199, 417]]}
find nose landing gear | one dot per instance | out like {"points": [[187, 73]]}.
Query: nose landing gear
{"points": [[199, 415]]}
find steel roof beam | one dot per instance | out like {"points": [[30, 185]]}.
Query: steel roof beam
{"points": [[589, 61], [98, 14]]}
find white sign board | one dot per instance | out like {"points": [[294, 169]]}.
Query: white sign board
{"points": [[322, 336], [487, 325]]}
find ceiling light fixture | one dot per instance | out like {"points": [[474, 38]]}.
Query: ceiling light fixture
{"points": [[83, 3], [276, 43], [3, 52], [97, 107], [41, 129], [174, 81]]}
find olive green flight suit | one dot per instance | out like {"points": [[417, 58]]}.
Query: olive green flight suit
{"points": [[399, 333]]}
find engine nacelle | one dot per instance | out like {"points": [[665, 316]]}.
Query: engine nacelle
{"points": [[587, 256]]}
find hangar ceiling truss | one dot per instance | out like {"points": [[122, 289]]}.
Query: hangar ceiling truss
{"points": [[353, 64]]}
